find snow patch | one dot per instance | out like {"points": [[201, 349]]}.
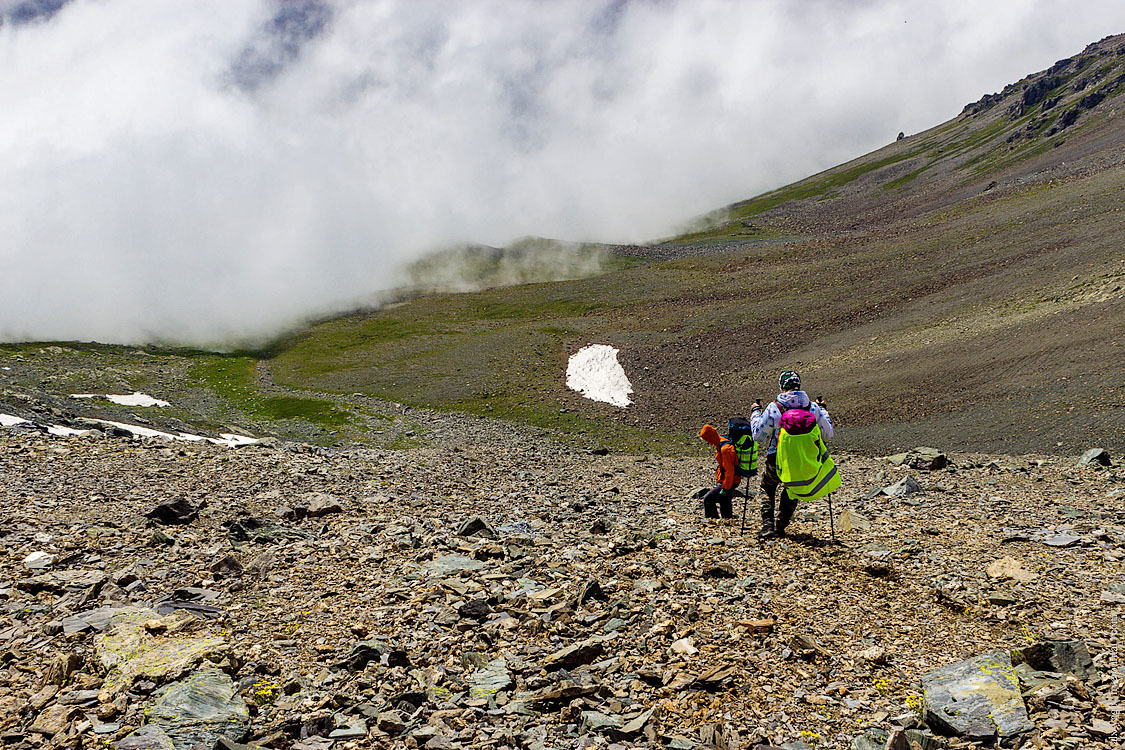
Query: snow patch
{"points": [[595, 373], [62, 431], [227, 439], [7, 420], [136, 398]]}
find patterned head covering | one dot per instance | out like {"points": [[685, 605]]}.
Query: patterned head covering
{"points": [[789, 381]]}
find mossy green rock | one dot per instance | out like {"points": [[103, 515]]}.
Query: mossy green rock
{"points": [[977, 698]]}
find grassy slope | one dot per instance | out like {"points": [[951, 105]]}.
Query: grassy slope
{"points": [[729, 320]]}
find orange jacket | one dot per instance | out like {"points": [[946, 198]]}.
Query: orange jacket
{"points": [[726, 456]]}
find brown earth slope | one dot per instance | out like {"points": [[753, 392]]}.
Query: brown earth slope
{"points": [[965, 283]]}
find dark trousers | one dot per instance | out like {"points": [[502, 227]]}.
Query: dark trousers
{"points": [[718, 501], [770, 483]]}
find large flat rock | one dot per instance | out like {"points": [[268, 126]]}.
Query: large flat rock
{"points": [[978, 698]]}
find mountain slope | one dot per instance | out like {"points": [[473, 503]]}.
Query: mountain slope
{"points": [[962, 286]]}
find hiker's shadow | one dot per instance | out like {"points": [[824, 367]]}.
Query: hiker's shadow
{"points": [[813, 542]]}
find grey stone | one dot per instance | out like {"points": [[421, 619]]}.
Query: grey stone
{"points": [[1062, 540], [1032, 680], [149, 737], [1095, 457], [635, 725], [392, 722], [613, 624], [871, 739], [476, 526], [977, 698], [351, 730], [175, 512], [576, 654], [439, 742], [228, 565], [39, 560], [196, 712], [490, 679], [1066, 657], [908, 485], [594, 721], [453, 563], [94, 620]]}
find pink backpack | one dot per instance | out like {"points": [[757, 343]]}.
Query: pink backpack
{"points": [[798, 421]]}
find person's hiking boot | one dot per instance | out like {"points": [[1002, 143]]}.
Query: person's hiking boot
{"points": [[767, 531], [785, 514]]}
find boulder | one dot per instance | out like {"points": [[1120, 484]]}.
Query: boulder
{"points": [[977, 698], [128, 651], [928, 459], [908, 485], [175, 512], [320, 505], [198, 711], [1066, 657], [576, 654], [490, 679], [872, 739], [1095, 457], [476, 526]]}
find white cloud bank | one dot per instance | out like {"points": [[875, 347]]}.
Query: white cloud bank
{"points": [[213, 172]]}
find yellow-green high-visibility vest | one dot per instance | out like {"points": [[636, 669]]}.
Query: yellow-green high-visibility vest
{"points": [[804, 465], [747, 451]]}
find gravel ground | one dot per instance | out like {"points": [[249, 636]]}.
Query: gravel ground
{"points": [[304, 554]]}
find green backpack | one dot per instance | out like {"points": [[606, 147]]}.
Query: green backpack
{"points": [[741, 437]]}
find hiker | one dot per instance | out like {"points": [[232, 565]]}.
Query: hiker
{"points": [[766, 425], [718, 500]]}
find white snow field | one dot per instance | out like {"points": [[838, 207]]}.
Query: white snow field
{"points": [[595, 373], [225, 438], [136, 398]]}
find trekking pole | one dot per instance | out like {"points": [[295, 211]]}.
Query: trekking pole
{"points": [[831, 519], [745, 504]]}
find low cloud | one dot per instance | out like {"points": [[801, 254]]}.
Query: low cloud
{"points": [[212, 173]]}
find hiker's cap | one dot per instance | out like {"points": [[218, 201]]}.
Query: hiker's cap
{"points": [[790, 380]]}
